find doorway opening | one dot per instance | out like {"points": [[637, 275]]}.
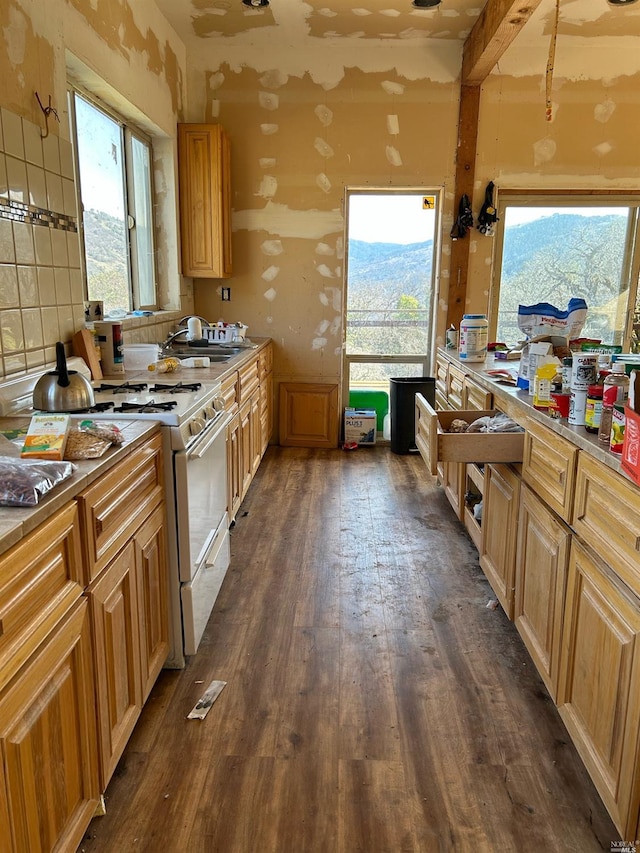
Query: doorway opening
{"points": [[391, 251]]}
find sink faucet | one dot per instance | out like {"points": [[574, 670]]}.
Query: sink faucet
{"points": [[164, 346]]}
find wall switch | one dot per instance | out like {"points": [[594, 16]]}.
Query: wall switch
{"points": [[226, 294]]}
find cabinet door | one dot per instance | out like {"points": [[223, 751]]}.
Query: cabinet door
{"points": [[452, 478], [499, 531], [116, 632], [234, 482], [205, 200], [549, 467], [49, 762], [153, 605], [599, 687], [266, 411], [541, 575], [246, 447], [256, 433]]}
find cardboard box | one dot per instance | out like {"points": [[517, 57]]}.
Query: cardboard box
{"points": [[46, 437], [360, 426]]}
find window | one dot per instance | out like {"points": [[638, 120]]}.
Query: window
{"points": [[114, 166], [552, 247]]}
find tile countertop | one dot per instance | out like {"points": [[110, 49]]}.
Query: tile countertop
{"points": [[16, 522], [518, 404]]}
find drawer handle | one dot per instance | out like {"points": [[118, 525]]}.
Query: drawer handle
{"points": [[637, 543], [1, 628], [98, 527]]}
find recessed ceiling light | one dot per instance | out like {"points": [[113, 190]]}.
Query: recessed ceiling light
{"points": [[256, 4], [425, 4]]}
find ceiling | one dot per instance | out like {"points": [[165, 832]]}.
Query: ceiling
{"points": [[389, 20]]}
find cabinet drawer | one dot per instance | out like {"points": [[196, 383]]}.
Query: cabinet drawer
{"points": [[118, 503], [455, 388], [230, 392], [475, 396], [606, 515], [247, 380], [442, 377], [265, 361], [40, 579], [549, 467], [437, 445]]}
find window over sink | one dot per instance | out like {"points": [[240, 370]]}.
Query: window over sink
{"points": [[115, 186]]}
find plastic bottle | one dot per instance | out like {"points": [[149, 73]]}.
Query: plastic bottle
{"points": [[165, 365], [474, 331], [614, 390], [195, 361]]}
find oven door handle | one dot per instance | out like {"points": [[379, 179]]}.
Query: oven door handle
{"points": [[206, 439]]}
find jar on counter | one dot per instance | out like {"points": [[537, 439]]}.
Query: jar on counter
{"points": [[474, 334], [593, 408]]}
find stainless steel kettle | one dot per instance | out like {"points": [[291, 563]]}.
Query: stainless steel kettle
{"points": [[62, 390]]}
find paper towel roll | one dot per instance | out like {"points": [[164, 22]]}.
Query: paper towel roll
{"points": [[194, 329]]}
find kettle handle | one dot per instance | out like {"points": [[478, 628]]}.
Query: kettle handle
{"points": [[61, 365]]}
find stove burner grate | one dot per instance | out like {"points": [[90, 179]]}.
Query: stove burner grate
{"points": [[150, 406], [125, 388], [176, 388]]}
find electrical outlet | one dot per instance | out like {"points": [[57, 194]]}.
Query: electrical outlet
{"points": [[226, 294]]}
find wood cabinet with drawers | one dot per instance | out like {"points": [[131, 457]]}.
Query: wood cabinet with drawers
{"points": [[205, 200], [501, 500]]}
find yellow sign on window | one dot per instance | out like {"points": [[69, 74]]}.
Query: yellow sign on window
{"points": [[428, 202]]}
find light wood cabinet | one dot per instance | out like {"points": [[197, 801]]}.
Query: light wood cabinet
{"points": [[128, 596], [234, 473], [308, 414], [455, 387], [49, 786], [499, 531], [599, 687], [541, 574], [205, 200], [549, 467]]}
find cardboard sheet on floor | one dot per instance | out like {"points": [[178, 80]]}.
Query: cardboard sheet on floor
{"points": [[204, 703]]}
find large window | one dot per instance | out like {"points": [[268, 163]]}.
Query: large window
{"points": [[553, 247], [114, 163]]}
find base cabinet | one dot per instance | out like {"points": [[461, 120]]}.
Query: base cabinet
{"points": [[499, 531], [49, 785], [541, 575], [234, 480], [599, 687]]}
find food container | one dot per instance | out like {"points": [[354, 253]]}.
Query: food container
{"points": [[559, 405], [140, 356]]}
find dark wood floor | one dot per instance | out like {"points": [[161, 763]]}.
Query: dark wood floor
{"points": [[373, 702]]}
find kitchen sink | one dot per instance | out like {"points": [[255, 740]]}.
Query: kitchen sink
{"points": [[213, 353]]}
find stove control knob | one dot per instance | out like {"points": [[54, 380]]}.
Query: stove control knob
{"points": [[196, 426], [209, 412], [218, 404]]}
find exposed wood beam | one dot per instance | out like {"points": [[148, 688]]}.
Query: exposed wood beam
{"points": [[499, 23]]}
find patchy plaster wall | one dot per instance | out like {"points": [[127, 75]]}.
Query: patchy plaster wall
{"points": [[126, 53], [302, 128]]}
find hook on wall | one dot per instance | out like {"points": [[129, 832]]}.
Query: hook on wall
{"points": [[47, 112]]}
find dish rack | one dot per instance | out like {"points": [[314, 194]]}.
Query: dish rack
{"points": [[224, 333]]}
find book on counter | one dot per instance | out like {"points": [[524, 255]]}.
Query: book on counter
{"points": [[46, 437]]}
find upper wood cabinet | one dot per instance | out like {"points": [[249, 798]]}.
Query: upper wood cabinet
{"points": [[205, 200]]}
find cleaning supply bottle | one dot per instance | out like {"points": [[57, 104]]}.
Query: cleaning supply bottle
{"points": [[614, 390], [196, 361]]}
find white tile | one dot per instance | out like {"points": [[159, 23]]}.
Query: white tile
{"points": [[23, 242], [37, 186], [17, 180], [66, 158], [70, 205], [73, 249], [7, 252], [32, 143], [66, 322], [42, 243], [12, 131], [50, 328], [4, 186], [51, 151], [59, 247], [46, 286], [35, 358], [55, 198], [32, 328], [77, 287], [14, 364], [63, 286], [9, 297], [78, 316], [28, 287], [11, 331]]}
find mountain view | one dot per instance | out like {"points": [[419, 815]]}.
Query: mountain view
{"points": [[107, 253]]}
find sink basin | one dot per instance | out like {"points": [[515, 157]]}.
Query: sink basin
{"points": [[210, 352]]}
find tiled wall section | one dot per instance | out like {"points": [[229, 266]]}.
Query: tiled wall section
{"points": [[41, 287]]}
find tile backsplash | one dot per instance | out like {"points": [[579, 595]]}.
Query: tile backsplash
{"points": [[42, 292]]}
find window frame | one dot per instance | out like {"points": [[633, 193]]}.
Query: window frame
{"points": [[570, 198], [128, 131]]}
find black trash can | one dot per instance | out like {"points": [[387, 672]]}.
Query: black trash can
{"points": [[402, 408]]}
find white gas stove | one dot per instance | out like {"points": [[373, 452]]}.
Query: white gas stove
{"points": [[193, 420]]}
